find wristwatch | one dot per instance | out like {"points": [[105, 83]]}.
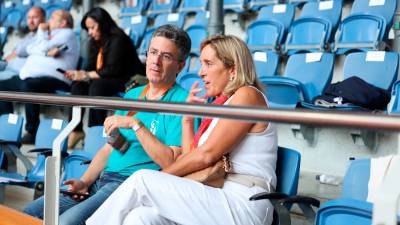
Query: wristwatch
{"points": [[87, 77], [137, 126]]}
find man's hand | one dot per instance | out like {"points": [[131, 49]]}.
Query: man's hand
{"points": [[53, 52], [11, 56], [114, 122], [78, 186], [44, 26]]}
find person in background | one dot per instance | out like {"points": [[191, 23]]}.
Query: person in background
{"points": [[112, 62], [55, 46], [152, 140], [13, 62], [164, 197]]}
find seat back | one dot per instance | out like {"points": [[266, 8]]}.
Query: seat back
{"points": [[385, 9], [65, 4], [376, 68], [266, 62], [94, 140], [169, 18], [193, 6], [11, 127], [355, 182], [235, 5], [134, 27], [6, 7], [329, 10], [133, 7], [255, 5], [315, 75], [197, 34], [162, 7], [362, 29], [264, 34], [287, 171], [144, 45], [187, 80], [284, 13], [47, 131], [310, 31]]}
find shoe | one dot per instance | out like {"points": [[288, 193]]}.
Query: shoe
{"points": [[28, 138], [74, 138]]}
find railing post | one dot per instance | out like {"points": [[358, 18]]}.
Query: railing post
{"points": [[52, 177]]}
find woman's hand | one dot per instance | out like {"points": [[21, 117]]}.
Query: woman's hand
{"points": [[76, 75], [193, 98], [114, 122]]}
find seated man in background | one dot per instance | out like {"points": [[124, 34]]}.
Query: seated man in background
{"points": [[14, 61], [152, 139], [55, 46]]}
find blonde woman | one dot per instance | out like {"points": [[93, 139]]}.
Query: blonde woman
{"points": [[154, 197]]}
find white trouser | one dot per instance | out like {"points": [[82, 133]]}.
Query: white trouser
{"points": [[151, 197]]}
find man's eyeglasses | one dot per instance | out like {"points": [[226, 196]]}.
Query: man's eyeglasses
{"points": [[165, 57]]}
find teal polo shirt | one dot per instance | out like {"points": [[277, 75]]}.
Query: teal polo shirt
{"points": [[167, 128]]}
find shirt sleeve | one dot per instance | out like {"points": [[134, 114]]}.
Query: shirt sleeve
{"points": [[43, 43], [21, 47]]}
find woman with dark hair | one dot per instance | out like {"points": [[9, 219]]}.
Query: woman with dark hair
{"points": [[111, 62]]}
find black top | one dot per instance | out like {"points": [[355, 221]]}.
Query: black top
{"points": [[120, 60]]}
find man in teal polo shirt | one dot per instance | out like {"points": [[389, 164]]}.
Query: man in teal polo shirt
{"points": [[154, 139]]}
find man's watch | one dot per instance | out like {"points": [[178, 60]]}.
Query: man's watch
{"points": [[87, 77], [137, 126]]}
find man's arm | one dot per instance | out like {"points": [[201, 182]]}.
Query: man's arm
{"points": [[161, 154], [44, 43], [92, 173]]}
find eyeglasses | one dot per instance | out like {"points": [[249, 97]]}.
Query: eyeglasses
{"points": [[165, 56]]}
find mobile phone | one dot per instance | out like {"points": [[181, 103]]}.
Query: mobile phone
{"points": [[72, 194], [61, 70], [62, 48]]}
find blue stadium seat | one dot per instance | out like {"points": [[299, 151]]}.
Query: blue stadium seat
{"points": [[10, 142], [238, 6], [145, 42], [65, 4], [268, 31], [352, 207], [255, 5], [47, 131], [287, 173], [162, 7], [6, 7], [24, 6], [308, 35], [94, 140], [201, 18], [187, 80], [3, 38], [169, 18], [366, 28], [14, 18], [192, 64], [330, 10], [284, 13], [375, 67], [134, 27], [189, 6], [306, 76], [197, 34], [266, 63], [313, 30], [134, 7]]}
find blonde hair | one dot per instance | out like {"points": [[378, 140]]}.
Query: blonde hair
{"points": [[233, 52]]}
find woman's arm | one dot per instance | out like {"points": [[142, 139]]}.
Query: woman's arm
{"points": [[226, 135]]}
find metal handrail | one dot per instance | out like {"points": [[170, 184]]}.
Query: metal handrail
{"points": [[298, 116]]}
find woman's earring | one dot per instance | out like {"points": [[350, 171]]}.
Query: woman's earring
{"points": [[231, 78]]}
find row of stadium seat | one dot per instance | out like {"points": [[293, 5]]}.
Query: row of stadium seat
{"points": [[307, 75], [13, 13]]}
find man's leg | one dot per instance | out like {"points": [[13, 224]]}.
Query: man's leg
{"points": [[7, 73], [39, 85], [12, 84], [78, 214], [36, 208]]}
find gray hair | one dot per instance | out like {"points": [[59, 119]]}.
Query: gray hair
{"points": [[176, 35]]}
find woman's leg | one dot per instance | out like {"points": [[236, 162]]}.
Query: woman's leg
{"points": [[181, 201], [145, 216]]}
